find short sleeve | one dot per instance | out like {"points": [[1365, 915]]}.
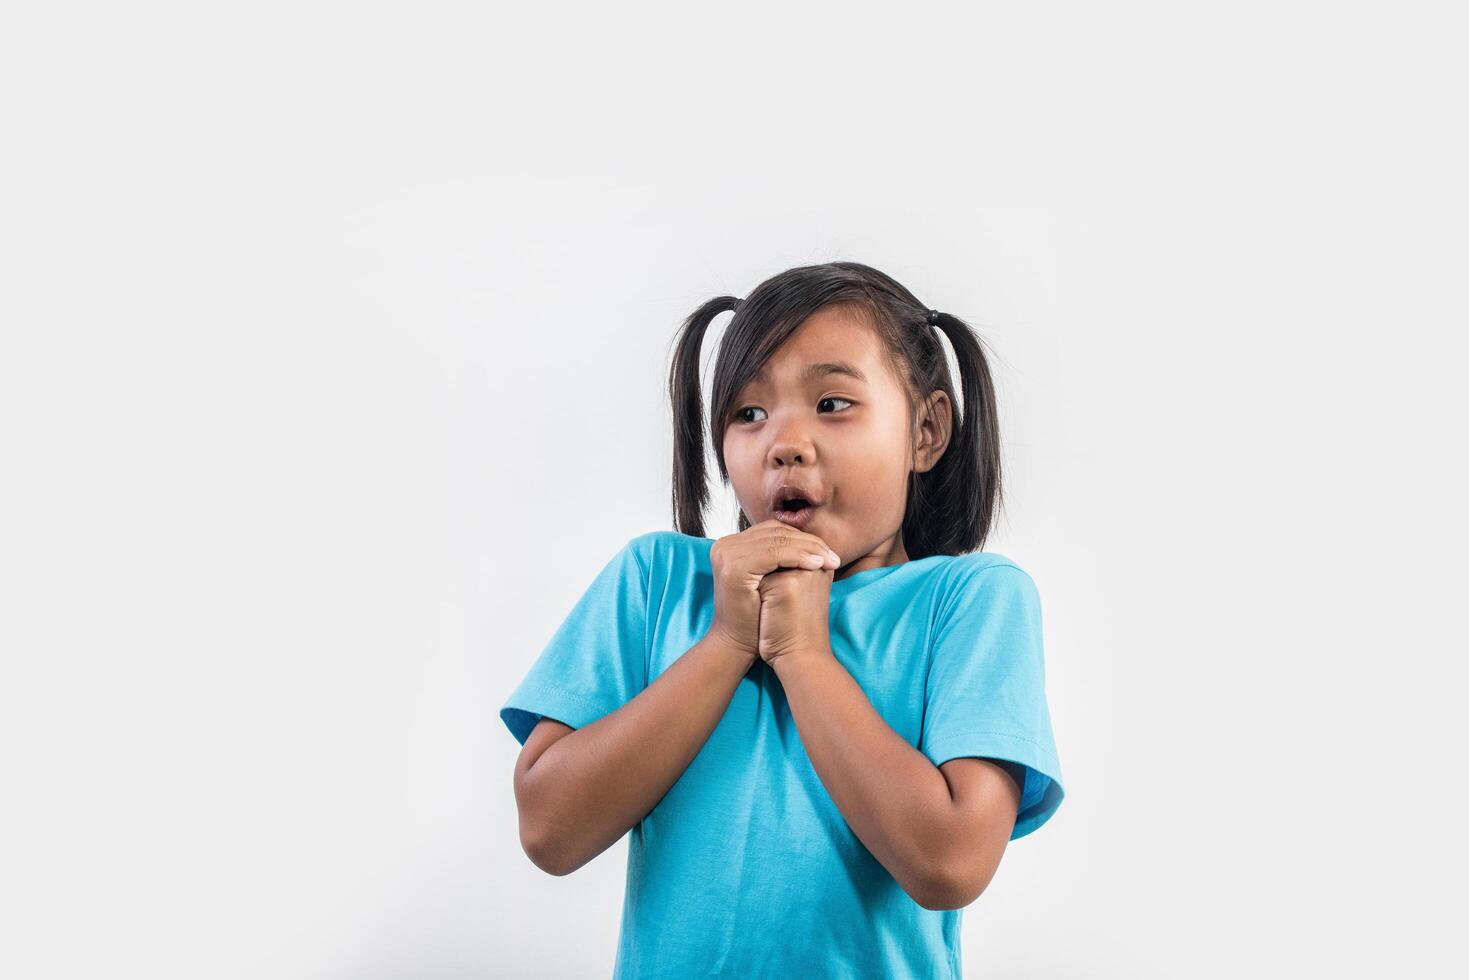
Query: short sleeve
{"points": [[596, 661], [985, 693]]}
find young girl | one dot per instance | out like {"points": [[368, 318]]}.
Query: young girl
{"points": [[822, 730]]}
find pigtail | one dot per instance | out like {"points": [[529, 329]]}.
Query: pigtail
{"points": [[952, 506], [690, 482]]}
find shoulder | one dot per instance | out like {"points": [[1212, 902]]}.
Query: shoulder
{"points": [[668, 549], [984, 578], [653, 542], [990, 565]]}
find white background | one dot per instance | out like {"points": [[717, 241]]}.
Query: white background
{"points": [[334, 365]]}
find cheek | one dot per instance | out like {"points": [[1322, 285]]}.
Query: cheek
{"points": [[877, 488], [744, 477]]}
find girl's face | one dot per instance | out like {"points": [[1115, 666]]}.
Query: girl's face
{"points": [[828, 416]]}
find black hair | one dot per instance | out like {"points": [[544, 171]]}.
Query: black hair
{"points": [[949, 508]]}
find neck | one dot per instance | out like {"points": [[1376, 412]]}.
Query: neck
{"points": [[889, 552]]}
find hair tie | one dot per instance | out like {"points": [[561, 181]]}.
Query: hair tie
{"points": [[933, 317]]}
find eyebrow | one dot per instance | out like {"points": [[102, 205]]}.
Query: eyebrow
{"points": [[819, 370]]}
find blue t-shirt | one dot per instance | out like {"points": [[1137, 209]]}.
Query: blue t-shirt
{"points": [[746, 868]]}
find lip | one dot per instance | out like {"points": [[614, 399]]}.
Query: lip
{"points": [[788, 490], [796, 518]]}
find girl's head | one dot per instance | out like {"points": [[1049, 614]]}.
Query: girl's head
{"points": [[901, 472]]}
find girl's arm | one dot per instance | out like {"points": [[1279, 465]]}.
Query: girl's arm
{"points": [[939, 831], [578, 790]]}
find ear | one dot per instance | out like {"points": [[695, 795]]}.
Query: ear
{"points": [[935, 424]]}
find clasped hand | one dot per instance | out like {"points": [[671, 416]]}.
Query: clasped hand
{"points": [[772, 591], [795, 608]]}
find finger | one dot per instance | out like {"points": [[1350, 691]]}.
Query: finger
{"points": [[789, 548], [775, 544], [774, 526]]}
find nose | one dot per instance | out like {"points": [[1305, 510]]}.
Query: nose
{"points": [[791, 447], [786, 457]]}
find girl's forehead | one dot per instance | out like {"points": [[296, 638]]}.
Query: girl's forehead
{"points": [[828, 343], [817, 371]]}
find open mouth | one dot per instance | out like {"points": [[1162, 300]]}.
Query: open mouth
{"points": [[797, 511]]}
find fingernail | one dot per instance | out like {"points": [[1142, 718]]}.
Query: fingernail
{"points": [[815, 561], [836, 558]]}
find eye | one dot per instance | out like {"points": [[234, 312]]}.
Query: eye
{"points": [[739, 414]]}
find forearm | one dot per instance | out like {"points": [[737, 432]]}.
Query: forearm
{"points": [[894, 799], [594, 784]]}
